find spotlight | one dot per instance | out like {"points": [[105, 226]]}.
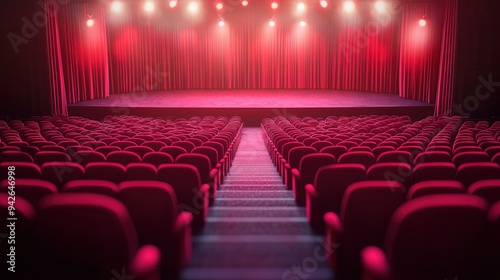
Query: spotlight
{"points": [[303, 23], [349, 6], [90, 21], [172, 3], [149, 6], [422, 22], [274, 5], [272, 22], [323, 3], [116, 6], [221, 22], [244, 3], [219, 6], [301, 6], [380, 6], [193, 7]]}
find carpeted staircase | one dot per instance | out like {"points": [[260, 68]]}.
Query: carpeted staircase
{"points": [[254, 230]]}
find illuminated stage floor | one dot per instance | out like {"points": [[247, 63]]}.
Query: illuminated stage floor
{"points": [[252, 105]]}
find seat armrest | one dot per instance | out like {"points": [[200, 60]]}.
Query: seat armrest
{"points": [[146, 263], [375, 264], [184, 221], [296, 174], [213, 173], [311, 191]]}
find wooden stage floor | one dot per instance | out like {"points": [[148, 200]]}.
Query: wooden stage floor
{"points": [[251, 105]]}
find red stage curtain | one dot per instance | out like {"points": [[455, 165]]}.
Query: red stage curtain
{"points": [[168, 50], [78, 55], [420, 51], [446, 83]]}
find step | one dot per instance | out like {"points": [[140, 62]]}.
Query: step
{"points": [[256, 212], [256, 203], [253, 228], [252, 187], [221, 273], [254, 194]]}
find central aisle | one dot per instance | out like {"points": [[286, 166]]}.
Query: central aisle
{"points": [[255, 230]]}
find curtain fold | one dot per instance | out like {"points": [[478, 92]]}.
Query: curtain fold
{"points": [[420, 51], [169, 50], [446, 83]]}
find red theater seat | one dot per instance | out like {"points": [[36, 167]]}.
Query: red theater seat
{"points": [[50, 156], [30, 189], [469, 173], [89, 236], [390, 171], [155, 145], [366, 210], [365, 158], [59, 173], [157, 158], [123, 157], [207, 174], [433, 171], [154, 208], [103, 187], [451, 230], [174, 152], [435, 187], [141, 171], [487, 189], [293, 162], [15, 156], [109, 171], [23, 170], [470, 157], [85, 157]]}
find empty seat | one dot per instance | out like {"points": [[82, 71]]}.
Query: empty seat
{"points": [[330, 183], [155, 145], [23, 170], [174, 152], [123, 157], [139, 150], [293, 162], [30, 189], [105, 150], [318, 145], [435, 187], [366, 210], [432, 156], [50, 156], [207, 174], [103, 187], [396, 156], [335, 151], [157, 158], [469, 173], [85, 157], [487, 189], [186, 145], [16, 156], [451, 229], [59, 173], [390, 171], [377, 151], [90, 236], [433, 171], [309, 165], [192, 195], [141, 171], [154, 208], [109, 171], [365, 158], [122, 144], [469, 157]]}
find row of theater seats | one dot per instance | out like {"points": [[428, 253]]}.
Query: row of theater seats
{"points": [[123, 200], [354, 173]]}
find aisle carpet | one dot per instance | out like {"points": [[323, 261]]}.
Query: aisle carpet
{"points": [[254, 230]]}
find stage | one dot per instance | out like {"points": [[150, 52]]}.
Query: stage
{"points": [[251, 105]]}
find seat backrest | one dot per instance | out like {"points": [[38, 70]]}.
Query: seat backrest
{"points": [[210, 152], [335, 151], [50, 156], [186, 145], [184, 179], [24, 170], [123, 157], [487, 189], [30, 189], [15, 156], [311, 163], [174, 152], [470, 157], [85, 157], [157, 158], [433, 171], [201, 162], [103, 187], [331, 181], [318, 145], [396, 156], [469, 173], [435, 187], [154, 208], [122, 144], [155, 145], [450, 232], [108, 171], [141, 171], [59, 173], [390, 171], [296, 154], [87, 235], [365, 158], [432, 156], [139, 150], [105, 150]]}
